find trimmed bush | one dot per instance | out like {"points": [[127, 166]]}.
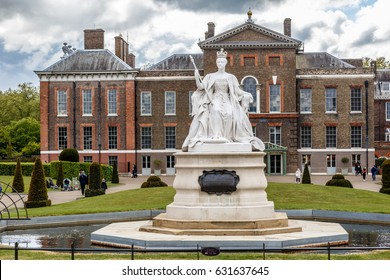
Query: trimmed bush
{"points": [[115, 175], [17, 183], [8, 168], [60, 176], [153, 182], [94, 181], [72, 169], [306, 175], [37, 195], [69, 154], [339, 180], [385, 177]]}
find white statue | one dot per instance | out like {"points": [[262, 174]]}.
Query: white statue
{"points": [[219, 110]]}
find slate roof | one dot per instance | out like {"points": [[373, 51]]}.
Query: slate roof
{"points": [[317, 60], [179, 62], [89, 61]]}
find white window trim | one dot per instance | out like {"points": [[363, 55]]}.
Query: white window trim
{"points": [[257, 92], [142, 97], [108, 103], [66, 104], [174, 93]]}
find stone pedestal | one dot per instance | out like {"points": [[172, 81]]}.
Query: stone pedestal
{"points": [[245, 211]]}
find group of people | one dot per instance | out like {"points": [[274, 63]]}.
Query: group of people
{"points": [[363, 171], [80, 183]]}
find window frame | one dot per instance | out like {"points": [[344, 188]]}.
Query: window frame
{"points": [[308, 99], [112, 103], [62, 137], [170, 105], [356, 102], [356, 137], [331, 137], [330, 108], [87, 93], [146, 109], [275, 97], [146, 138], [170, 137], [275, 137], [87, 138], [112, 137], [254, 107], [306, 133], [62, 103]]}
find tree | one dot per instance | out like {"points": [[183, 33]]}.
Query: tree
{"points": [[4, 141], [69, 154], [19, 104], [24, 131], [381, 62], [306, 175], [115, 175], [60, 176], [94, 181], [18, 183], [37, 194], [32, 148], [385, 177]]}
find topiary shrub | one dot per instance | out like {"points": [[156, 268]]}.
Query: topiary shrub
{"points": [[339, 180], [18, 183], [94, 181], [115, 175], [60, 176], [153, 182], [37, 194], [306, 175], [385, 177], [69, 154]]}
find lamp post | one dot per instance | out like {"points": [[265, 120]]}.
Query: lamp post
{"points": [[99, 120], [366, 86]]}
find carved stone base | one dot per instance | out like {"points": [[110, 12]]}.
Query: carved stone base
{"points": [[277, 225]]}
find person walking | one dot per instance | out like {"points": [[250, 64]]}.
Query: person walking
{"points": [[298, 176], [134, 172], [374, 171], [364, 173], [83, 179]]}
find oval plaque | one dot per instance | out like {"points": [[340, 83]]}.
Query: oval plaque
{"points": [[218, 181], [210, 251]]}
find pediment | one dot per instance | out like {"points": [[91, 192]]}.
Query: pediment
{"points": [[250, 35]]}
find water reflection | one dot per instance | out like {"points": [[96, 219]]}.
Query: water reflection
{"points": [[63, 237]]}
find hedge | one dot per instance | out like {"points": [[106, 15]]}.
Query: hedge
{"points": [[71, 169]]}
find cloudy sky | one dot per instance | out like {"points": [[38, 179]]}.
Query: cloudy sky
{"points": [[32, 32]]}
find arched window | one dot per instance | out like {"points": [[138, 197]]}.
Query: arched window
{"points": [[249, 84]]}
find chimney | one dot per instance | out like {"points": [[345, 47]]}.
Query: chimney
{"points": [[131, 60], [287, 27], [93, 39], [211, 29], [121, 48]]}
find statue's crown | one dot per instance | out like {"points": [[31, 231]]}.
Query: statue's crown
{"points": [[221, 53]]}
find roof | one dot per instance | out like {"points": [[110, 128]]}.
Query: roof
{"points": [[317, 60], [383, 75], [89, 60], [265, 38], [179, 62]]}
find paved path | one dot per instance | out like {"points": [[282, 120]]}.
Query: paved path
{"points": [[58, 197]]}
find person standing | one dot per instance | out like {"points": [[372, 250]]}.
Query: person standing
{"points": [[374, 170], [83, 178], [104, 185], [134, 172], [298, 176]]}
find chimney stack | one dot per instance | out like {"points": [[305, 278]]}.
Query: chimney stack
{"points": [[121, 48], [131, 60], [211, 29], [93, 39], [287, 27]]}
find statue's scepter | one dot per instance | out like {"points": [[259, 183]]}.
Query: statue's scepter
{"points": [[200, 79]]}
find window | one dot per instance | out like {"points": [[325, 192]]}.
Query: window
{"points": [[112, 137], [87, 137], [146, 103], [331, 160], [306, 159], [330, 100], [249, 85], [145, 161], [112, 103], [112, 160], [305, 100], [385, 87], [306, 137], [146, 137], [356, 158], [356, 100], [387, 111], [170, 161], [356, 136], [170, 137], [62, 103], [62, 138], [274, 135], [274, 98], [87, 102], [170, 103], [87, 158], [331, 137]]}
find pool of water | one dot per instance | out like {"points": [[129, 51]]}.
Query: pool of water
{"points": [[63, 237]]}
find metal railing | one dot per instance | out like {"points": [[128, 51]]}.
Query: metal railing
{"points": [[198, 250]]}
